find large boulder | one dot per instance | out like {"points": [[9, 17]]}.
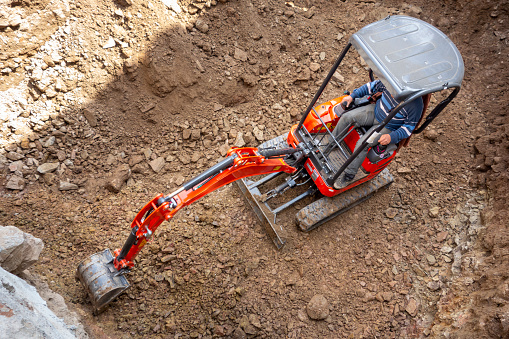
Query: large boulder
{"points": [[23, 313], [18, 250]]}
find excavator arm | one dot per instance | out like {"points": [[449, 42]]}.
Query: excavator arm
{"points": [[102, 273], [243, 162]]}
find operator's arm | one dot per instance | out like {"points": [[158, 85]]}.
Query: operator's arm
{"points": [[411, 115], [368, 89]]}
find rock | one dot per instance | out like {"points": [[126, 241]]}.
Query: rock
{"points": [[412, 307], [434, 285], [391, 212], [90, 116], [14, 156], [404, 170], [136, 159], [16, 166], [223, 149], [255, 320], [196, 156], [50, 142], [18, 250], [67, 186], [219, 331], [240, 54], [434, 211], [118, 178], [157, 164], [318, 307], [301, 314], [24, 313], [338, 77], [441, 236], [304, 74], [48, 167], [15, 183], [387, 296], [249, 79], [239, 142], [201, 25], [431, 259], [195, 134], [239, 334], [110, 43], [186, 134], [314, 67], [173, 5], [430, 134]]}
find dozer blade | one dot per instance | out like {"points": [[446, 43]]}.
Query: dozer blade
{"points": [[324, 209], [263, 211], [101, 279]]}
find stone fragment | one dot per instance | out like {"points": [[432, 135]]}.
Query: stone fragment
{"points": [[117, 180], [18, 250], [50, 142], [391, 212], [434, 285], [434, 211], [314, 66], [173, 5], [318, 307], [67, 186], [338, 77], [15, 183], [240, 54], [157, 164], [195, 157], [195, 134], [441, 236], [202, 26], [110, 43], [16, 166], [239, 142], [90, 116], [430, 134], [304, 74], [431, 259], [47, 167], [25, 143], [14, 156], [404, 170], [412, 307]]}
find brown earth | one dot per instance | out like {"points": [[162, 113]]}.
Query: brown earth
{"points": [[427, 257]]}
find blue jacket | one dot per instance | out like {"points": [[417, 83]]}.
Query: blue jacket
{"points": [[403, 124]]}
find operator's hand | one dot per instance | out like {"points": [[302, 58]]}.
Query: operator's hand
{"points": [[385, 139], [348, 101]]}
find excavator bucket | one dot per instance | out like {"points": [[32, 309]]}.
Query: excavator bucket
{"points": [[101, 279]]}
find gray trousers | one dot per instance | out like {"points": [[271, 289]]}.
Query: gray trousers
{"points": [[363, 116]]}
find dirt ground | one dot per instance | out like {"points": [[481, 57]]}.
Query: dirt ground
{"points": [[157, 91]]}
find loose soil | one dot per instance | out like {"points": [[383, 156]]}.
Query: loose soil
{"points": [[107, 85]]}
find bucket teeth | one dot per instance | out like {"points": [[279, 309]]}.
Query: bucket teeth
{"points": [[101, 279]]}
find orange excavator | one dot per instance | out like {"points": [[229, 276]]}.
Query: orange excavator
{"points": [[410, 57]]}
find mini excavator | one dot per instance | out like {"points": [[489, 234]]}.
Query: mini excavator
{"points": [[412, 58]]}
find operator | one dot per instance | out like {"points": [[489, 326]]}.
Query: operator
{"points": [[370, 116]]}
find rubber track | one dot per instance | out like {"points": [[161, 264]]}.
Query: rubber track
{"points": [[324, 209]]}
